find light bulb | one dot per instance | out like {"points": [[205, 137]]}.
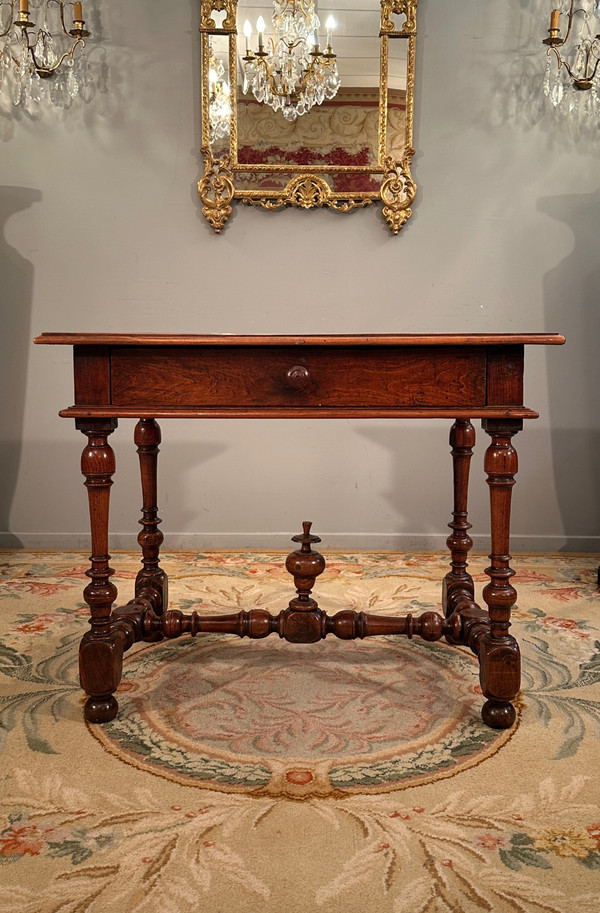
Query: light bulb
{"points": [[260, 28], [329, 25], [248, 35]]}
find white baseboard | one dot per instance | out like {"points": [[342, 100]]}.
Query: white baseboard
{"points": [[370, 542]]}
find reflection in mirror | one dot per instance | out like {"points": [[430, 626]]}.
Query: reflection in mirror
{"points": [[219, 95], [294, 67], [342, 130], [319, 107]]}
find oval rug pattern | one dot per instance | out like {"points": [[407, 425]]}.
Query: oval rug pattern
{"points": [[280, 719]]}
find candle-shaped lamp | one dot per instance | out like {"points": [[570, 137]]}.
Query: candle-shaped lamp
{"points": [[554, 19], [24, 7], [247, 34], [77, 12], [329, 25], [260, 28]]}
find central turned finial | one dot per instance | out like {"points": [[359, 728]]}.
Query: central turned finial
{"points": [[304, 564], [305, 538]]}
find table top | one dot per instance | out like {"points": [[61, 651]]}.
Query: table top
{"points": [[386, 339]]}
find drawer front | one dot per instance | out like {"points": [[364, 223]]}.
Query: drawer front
{"points": [[358, 376]]}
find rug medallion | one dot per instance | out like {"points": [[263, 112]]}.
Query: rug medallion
{"points": [[273, 718]]}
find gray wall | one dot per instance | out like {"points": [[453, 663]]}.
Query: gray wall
{"points": [[102, 231]]}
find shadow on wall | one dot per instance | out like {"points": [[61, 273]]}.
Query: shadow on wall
{"points": [[572, 307], [416, 449], [15, 342]]}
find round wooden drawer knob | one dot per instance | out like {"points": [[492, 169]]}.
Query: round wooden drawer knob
{"points": [[298, 378]]}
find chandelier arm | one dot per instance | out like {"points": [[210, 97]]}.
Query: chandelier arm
{"points": [[30, 47], [290, 45], [557, 55], [275, 88], [48, 70], [595, 70], [586, 75], [302, 86]]}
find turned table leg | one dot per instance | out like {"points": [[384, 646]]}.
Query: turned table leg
{"points": [[151, 582], [457, 581], [101, 649], [499, 657]]}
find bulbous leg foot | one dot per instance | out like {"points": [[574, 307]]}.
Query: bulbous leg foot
{"points": [[498, 716], [100, 709]]}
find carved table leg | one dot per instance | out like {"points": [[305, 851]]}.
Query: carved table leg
{"points": [[151, 581], [499, 657], [101, 649], [458, 582]]}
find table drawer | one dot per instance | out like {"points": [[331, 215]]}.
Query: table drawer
{"points": [[355, 376]]}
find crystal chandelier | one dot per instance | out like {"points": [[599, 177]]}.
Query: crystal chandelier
{"points": [[572, 79], [32, 67], [219, 105], [294, 73]]}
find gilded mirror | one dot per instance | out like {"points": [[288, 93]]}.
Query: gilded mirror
{"points": [[307, 104]]}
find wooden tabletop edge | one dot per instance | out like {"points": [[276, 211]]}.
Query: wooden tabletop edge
{"points": [[244, 412], [188, 339]]}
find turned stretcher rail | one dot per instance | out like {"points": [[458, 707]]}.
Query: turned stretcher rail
{"points": [[258, 623]]}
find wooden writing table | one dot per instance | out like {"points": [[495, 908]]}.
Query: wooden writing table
{"points": [[455, 376]]}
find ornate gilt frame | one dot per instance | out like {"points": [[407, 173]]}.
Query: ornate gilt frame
{"points": [[307, 189]]}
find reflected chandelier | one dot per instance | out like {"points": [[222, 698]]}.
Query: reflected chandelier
{"points": [[219, 104], [293, 74], [29, 57], [574, 83]]}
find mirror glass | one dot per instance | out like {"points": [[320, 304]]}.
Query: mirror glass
{"points": [[352, 145], [219, 95], [341, 130]]}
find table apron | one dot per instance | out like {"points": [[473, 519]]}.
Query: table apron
{"points": [[275, 379]]}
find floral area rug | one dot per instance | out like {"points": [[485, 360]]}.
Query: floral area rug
{"points": [[348, 777]]}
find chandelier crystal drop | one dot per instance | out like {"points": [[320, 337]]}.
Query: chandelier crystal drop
{"points": [[37, 64], [572, 76], [292, 74]]}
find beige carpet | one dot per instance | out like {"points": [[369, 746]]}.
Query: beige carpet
{"points": [[260, 775]]}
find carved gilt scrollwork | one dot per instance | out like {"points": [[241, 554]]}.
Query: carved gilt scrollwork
{"points": [[306, 192], [207, 23], [216, 190], [398, 191], [406, 8]]}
